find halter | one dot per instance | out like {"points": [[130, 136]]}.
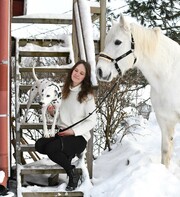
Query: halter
{"points": [[108, 58]]}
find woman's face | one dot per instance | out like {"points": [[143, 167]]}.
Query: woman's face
{"points": [[78, 74]]}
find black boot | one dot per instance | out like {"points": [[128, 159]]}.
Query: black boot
{"points": [[74, 177], [3, 190]]}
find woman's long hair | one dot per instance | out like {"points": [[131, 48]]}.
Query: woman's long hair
{"points": [[86, 85]]}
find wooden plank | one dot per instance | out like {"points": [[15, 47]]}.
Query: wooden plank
{"points": [[89, 154], [53, 179], [27, 147], [102, 24], [40, 42], [67, 21], [45, 169], [46, 42], [34, 126], [95, 10], [33, 106], [52, 194], [43, 54], [25, 87], [42, 171], [45, 69]]}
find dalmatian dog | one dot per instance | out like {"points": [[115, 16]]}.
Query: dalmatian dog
{"points": [[50, 94]]}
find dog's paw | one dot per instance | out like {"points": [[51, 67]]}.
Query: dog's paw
{"points": [[52, 134], [46, 135]]}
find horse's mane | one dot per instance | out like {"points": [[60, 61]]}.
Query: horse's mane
{"points": [[146, 39]]}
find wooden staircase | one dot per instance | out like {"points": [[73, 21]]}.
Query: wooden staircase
{"points": [[51, 170], [40, 169], [30, 128]]}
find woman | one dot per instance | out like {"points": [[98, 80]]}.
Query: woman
{"points": [[77, 103]]}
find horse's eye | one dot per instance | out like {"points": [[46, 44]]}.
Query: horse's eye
{"points": [[117, 42]]}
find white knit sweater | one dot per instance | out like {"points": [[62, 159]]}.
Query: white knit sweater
{"points": [[72, 111]]}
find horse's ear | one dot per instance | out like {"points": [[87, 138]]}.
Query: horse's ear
{"points": [[123, 23]]}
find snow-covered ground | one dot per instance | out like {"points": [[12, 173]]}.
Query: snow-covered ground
{"points": [[132, 168]]}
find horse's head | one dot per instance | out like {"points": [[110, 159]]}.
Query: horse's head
{"points": [[117, 56]]}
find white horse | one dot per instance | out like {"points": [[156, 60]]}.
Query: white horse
{"points": [[158, 57]]}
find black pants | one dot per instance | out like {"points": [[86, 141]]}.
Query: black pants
{"points": [[61, 149]]}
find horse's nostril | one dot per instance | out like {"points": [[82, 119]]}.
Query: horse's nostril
{"points": [[99, 72]]}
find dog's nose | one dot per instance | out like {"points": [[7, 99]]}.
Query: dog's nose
{"points": [[41, 103]]}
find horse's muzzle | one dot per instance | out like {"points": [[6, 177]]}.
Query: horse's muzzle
{"points": [[101, 77]]}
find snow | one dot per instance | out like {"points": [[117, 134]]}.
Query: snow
{"points": [[87, 31], [132, 168], [2, 174]]}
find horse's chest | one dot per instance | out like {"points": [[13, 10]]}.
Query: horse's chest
{"points": [[166, 100]]}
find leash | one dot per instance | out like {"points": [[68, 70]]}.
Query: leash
{"points": [[98, 107]]}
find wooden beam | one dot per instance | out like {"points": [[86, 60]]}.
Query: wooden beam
{"points": [[34, 126], [95, 10], [43, 54], [102, 24], [60, 21], [52, 194], [40, 42], [45, 169], [43, 69]]}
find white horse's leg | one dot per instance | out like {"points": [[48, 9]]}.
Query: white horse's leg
{"points": [[167, 132]]}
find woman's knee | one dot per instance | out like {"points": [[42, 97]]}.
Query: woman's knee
{"points": [[40, 145]]}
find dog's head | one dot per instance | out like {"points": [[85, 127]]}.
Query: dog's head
{"points": [[50, 95]]}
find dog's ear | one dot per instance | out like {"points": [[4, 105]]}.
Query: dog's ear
{"points": [[58, 94]]}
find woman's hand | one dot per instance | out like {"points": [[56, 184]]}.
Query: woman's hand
{"points": [[66, 132]]}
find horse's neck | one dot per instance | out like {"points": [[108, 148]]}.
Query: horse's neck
{"points": [[156, 59], [150, 74]]}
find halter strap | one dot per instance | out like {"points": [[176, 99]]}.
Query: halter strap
{"points": [[103, 55]]}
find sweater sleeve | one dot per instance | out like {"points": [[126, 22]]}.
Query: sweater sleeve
{"points": [[86, 125]]}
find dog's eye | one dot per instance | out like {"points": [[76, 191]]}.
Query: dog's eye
{"points": [[48, 95], [117, 42]]}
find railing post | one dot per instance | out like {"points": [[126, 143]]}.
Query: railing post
{"points": [[102, 24], [83, 46]]}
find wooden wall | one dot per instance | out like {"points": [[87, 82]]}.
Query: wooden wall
{"points": [[18, 7]]}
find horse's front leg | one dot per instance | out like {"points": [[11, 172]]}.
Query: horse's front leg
{"points": [[167, 132]]}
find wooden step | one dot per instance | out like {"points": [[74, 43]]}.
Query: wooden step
{"points": [[43, 54], [33, 106], [46, 69], [40, 42], [27, 147], [34, 126], [59, 20], [45, 169], [25, 87], [52, 194]]}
